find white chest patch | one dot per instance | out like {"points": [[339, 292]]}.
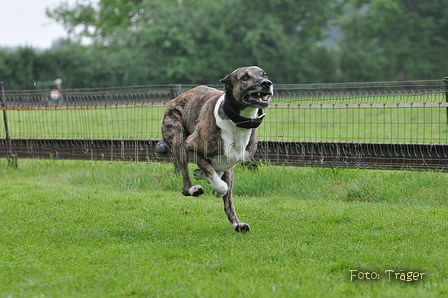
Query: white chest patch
{"points": [[235, 140]]}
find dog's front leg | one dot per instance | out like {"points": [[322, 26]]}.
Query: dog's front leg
{"points": [[209, 174], [228, 204], [223, 188]]}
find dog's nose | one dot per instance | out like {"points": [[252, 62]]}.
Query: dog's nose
{"points": [[266, 83]]}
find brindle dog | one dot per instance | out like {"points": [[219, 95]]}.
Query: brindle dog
{"points": [[216, 130]]}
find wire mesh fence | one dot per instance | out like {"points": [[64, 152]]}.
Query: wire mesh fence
{"points": [[123, 113], [116, 121], [403, 112], [407, 112]]}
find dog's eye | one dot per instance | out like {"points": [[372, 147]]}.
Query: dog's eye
{"points": [[245, 77]]}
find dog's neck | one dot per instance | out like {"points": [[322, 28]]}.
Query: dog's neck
{"points": [[238, 119]]}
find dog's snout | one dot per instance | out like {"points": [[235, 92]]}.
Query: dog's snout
{"points": [[266, 83]]}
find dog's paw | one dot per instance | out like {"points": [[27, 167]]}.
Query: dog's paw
{"points": [[219, 193], [220, 189], [198, 174], [196, 190], [242, 227]]}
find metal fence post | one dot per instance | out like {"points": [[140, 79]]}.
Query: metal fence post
{"points": [[446, 96], [175, 90], [12, 160]]}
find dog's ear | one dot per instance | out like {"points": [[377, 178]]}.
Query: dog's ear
{"points": [[226, 79]]}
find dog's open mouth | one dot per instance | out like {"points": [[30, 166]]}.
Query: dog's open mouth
{"points": [[258, 97]]}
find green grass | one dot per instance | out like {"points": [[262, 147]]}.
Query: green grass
{"points": [[98, 229]]}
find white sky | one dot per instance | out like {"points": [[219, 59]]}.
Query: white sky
{"points": [[24, 23]]}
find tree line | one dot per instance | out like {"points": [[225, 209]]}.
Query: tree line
{"points": [[144, 42]]}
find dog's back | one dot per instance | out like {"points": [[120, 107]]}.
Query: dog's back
{"points": [[189, 104], [183, 114]]}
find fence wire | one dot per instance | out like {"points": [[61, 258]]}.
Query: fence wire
{"points": [[385, 112], [323, 120]]}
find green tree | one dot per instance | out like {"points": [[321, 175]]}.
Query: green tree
{"points": [[197, 41], [193, 41], [18, 68], [394, 39]]}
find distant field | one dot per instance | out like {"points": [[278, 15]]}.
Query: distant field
{"points": [[403, 125], [126, 123], [100, 229]]}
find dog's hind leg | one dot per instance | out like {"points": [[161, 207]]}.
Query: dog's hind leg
{"points": [[180, 153], [188, 189], [228, 204]]}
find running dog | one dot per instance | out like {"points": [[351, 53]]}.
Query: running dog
{"points": [[217, 130]]}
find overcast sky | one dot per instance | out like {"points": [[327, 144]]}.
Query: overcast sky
{"points": [[23, 23]]}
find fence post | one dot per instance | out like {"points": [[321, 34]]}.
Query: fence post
{"points": [[12, 159], [175, 90], [446, 96]]}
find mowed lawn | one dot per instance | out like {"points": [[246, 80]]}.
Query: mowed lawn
{"points": [[99, 229]]}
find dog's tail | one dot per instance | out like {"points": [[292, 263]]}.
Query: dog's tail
{"points": [[162, 148]]}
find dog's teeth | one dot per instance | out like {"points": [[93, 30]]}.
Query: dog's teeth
{"points": [[258, 94]]}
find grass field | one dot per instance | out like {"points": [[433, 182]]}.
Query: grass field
{"points": [[83, 229], [400, 125]]}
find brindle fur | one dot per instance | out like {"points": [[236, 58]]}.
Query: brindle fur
{"points": [[190, 129]]}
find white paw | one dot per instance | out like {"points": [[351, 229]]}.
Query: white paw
{"points": [[196, 190], [220, 189]]}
